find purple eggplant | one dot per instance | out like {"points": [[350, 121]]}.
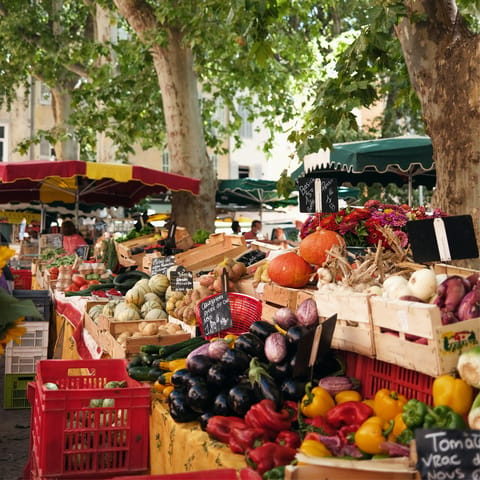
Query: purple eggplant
{"points": [[275, 347]]}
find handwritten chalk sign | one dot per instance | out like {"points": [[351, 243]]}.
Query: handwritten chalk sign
{"points": [[83, 252], [181, 279], [161, 264], [448, 454], [318, 195], [215, 314]]}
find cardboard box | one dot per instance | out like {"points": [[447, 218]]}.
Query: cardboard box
{"points": [[398, 323], [207, 256], [353, 330]]}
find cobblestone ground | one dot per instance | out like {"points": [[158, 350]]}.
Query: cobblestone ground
{"points": [[14, 436]]}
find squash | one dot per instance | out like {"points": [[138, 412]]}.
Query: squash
{"points": [[156, 314], [158, 284], [289, 270], [151, 305], [152, 297], [109, 309], [143, 284], [135, 295], [127, 315], [313, 248], [95, 311]]}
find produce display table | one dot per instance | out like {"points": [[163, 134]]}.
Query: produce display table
{"points": [[184, 447], [73, 341]]}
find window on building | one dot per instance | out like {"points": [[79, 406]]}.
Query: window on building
{"points": [[243, 172], [45, 149], [45, 96], [3, 143], [166, 161], [246, 128]]}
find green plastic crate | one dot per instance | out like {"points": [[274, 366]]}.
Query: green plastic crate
{"points": [[15, 390]]}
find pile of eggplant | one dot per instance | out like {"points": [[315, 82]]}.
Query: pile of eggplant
{"points": [[226, 379]]}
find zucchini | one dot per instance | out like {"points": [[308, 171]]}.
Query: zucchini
{"points": [[146, 358], [151, 349], [135, 361], [182, 353], [141, 374], [154, 373], [125, 281], [192, 343]]}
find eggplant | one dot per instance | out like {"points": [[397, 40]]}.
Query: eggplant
{"points": [[235, 361], [183, 378], [199, 396], [251, 344], [295, 333], [293, 389], [199, 364], [262, 329], [221, 405], [179, 408], [263, 384], [282, 370], [220, 377], [204, 418], [240, 398], [276, 347]]}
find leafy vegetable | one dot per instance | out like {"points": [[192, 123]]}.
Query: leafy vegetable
{"points": [[200, 236]]}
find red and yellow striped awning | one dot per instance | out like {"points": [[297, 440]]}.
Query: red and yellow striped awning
{"points": [[74, 181]]}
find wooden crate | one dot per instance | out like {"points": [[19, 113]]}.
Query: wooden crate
{"points": [[395, 321], [440, 268], [110, 345], [124, 249], [92, 327], [207, 256], [274, 297], [107, 324], [353, 330]]}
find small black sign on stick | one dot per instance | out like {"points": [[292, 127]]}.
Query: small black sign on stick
{"points": [[318, 195], [442, 239], [181, 279], [83, 252], [215, 314], [444, 454], [161, 264]]}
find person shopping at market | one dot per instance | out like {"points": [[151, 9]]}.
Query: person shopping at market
{"points": [[71, 238]]}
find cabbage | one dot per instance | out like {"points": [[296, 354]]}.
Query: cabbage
{"points": [[468, 366]]}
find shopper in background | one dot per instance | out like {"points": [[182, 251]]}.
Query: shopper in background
{"points": [[255, 231], [71, 238], [6, 278], [236, 228]]}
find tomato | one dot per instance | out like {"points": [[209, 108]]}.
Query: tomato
{"points": [[84, 286], [94, 282], [79, 280], [72, 288], [53, 270]]}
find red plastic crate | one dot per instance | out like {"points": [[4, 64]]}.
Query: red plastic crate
{"points": [[375, 374], [244, 308], [221, 474], [70, 439], [22, 279]]}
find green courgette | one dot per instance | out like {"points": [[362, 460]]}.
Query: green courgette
{"points": [[151, 349], [192, 343], [141, 374]]}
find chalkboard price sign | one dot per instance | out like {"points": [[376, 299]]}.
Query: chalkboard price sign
{"points": [[161, 264], [215, 314], [318, 195], [83, 251], [181, 279], [448, 454]]}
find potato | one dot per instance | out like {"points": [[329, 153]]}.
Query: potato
{"points": [[150, 329]]}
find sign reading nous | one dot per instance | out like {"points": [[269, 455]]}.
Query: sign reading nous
{"points": [[161, 264], [448, 454], [318, 195]]}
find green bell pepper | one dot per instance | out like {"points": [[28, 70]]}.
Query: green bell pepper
{"points": [[414, 412], [444, 417]]}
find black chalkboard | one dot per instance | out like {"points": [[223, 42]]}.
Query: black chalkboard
{"points": [[318, 195], [460, 238], [215, 314], [181, 279], [448, 454], [83, 252], [161, 264]]}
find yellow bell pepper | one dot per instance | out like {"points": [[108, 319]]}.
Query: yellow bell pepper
{"points": [[388, 403], [370, 402], [316, 401], [371, 433], [314, 448], [348, 396], [398, 427], [453, 392]]}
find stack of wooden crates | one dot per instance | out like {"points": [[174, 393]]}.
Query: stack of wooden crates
{"points": [[21, 360]]}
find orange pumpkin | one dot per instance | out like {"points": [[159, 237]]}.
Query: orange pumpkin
{"points": [[313, 248], [289, 270]]}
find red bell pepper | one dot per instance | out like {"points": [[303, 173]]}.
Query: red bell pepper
{"points": [[319, 425], [219, 426], [348, 413], [269, 455], [264, 415], [288, 438], [243, 439]]}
